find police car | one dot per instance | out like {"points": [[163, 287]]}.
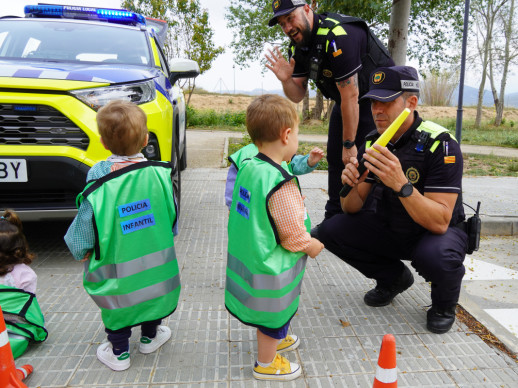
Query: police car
{"points": [[58, 65]]}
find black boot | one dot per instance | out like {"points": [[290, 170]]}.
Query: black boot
{"points": [[314, 231], [439, 320], [382, 296]]}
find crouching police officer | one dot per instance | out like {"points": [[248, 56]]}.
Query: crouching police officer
{"points": [[406, 206]]}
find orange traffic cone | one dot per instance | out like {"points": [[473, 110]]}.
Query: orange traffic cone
{"points": [[386, 372], [10, 377]]}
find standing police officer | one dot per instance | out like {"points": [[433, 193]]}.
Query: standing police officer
{"points": [[339, 53], [408, 207]]}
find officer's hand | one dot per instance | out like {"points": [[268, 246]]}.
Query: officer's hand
{"points": [[350, 174], [386, 166], [86, 257], [315, 247], [347, 154], [278, 64]]}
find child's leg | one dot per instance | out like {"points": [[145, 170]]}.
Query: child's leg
{"points": [[153, 336], [119, 339], [149, 328], [266, 347]]}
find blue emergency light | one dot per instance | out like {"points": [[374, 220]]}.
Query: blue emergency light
{"points": [[85, 13]]}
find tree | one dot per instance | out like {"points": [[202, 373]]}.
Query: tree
{"points": [[398, 31], [189, 35], [485, 15], [504, 52], [434, 25]]}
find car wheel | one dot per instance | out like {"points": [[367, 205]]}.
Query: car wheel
{"points": [[183, 159]]}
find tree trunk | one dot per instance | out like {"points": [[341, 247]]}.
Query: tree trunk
{"points": [[305, 106], [398, 31], [316, 112], [507, 59], [330, 106]]}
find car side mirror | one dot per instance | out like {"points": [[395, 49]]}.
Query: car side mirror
{"points": [[183, 68]]}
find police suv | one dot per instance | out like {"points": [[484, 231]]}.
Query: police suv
{"points": [[58, 65]]}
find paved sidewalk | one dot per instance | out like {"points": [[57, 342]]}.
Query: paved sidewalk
{"points": [[340, 335]]}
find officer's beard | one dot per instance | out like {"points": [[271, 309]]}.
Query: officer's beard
{"points": [[306, 36]]}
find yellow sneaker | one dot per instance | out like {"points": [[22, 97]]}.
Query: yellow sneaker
{"points": [[279, 369], [291, 342]]}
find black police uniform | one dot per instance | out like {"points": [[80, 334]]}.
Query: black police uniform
{"points": [[345, 57], [381, 234]]}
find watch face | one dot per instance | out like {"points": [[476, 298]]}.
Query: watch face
{"points": [[406, 190], [348, 144]]}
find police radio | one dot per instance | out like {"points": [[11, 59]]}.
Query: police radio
{"points": [[473, 226]]}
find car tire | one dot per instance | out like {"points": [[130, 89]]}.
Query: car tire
{"points": [[183, 159], [177, 176]]}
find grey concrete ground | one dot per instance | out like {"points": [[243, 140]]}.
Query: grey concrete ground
{"points": [[340, 335]]}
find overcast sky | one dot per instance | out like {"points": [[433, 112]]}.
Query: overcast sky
{"points": [[222, 76]]}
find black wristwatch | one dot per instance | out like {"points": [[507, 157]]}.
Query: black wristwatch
{"points": [[348, 144], [406, 190]]}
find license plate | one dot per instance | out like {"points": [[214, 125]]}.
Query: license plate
{"points": [[13, 170]]}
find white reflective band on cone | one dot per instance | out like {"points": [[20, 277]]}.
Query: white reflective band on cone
{"points": [[4, 338], [386, 376], [25, 374]]}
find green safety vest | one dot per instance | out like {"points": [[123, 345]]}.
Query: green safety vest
{"points": [[248, 152], [263, 279], [133, 275], [23, 318]]}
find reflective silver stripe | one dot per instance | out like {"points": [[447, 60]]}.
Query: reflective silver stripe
{"points": [[266, 282], [112, 302], [4, 338], [270, 305], [122, 270], [386, 376]]}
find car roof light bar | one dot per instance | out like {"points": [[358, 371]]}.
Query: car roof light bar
{"points": [[121, 16]]}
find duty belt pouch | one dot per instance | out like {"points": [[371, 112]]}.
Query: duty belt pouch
{"points": [[314, 68], [473, 226]]}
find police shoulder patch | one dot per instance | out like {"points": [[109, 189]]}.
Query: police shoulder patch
{"points": [[327, 73], [412, 175]]}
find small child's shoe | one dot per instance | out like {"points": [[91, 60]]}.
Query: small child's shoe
{"points": [[279, 369], [149, 345], [291, 342], [112, 361]]}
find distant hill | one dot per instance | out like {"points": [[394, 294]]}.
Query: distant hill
{"points": [[469, 99]]}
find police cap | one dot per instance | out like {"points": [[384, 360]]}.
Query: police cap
{"points": [[284, 7], [388, 83]]}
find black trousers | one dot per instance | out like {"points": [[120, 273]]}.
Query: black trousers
{"points": [[365, 243], [120, 338], [334, 152]]}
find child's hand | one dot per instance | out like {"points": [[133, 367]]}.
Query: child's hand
{"points": [[314, 156], [315, 247], [87, 257]]}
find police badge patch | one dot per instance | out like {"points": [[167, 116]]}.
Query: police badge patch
{"points": [[327, 73], [276, 5], [412, 175], [378, 77]]}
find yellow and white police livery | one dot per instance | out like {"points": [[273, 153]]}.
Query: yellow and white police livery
{"points": [[58, 66]]}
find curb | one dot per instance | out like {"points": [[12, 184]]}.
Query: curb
{"points": [[499, 226], [491, 324], [225, 154]]}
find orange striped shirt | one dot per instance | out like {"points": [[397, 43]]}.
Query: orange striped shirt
{"points": [[288, 213]]}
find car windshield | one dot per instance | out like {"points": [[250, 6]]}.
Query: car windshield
{"points": [[62, 41]]}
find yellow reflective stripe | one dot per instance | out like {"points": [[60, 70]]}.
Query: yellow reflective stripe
{"points": [[368, 144], [323, 31], [339, 31], [434, 146], [333, 20], [156, 57]]}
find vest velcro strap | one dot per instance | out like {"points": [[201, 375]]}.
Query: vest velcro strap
{"points": [[113, 302], [270, 305], [132, 267], [266, 282]]}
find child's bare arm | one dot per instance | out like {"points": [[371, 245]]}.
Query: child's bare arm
{"points": [[314, 156], [314, 248]]}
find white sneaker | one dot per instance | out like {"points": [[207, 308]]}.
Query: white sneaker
{"points": [[149, 345], [106, 356]]}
